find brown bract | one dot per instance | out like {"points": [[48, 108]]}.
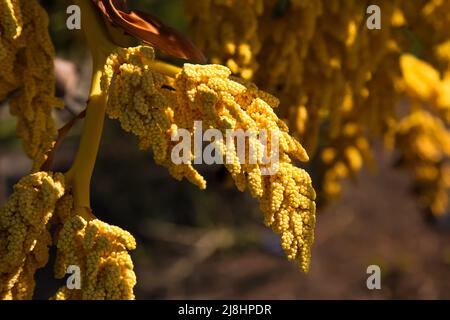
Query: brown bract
{"points": [[149, 29]]}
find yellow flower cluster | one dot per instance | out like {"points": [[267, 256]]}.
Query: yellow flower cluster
{"points": [[11, 19], [424, 143], [155, 108], [328, 75], [428, 20], [100, 251], [11, 26], [323, 73], [423, 84], [137, 98], [344, 158], [300, 49], [26, 54], [286, 195], [229, 37], [24, 232], [40, 204], [287, 201], [422, 137]]}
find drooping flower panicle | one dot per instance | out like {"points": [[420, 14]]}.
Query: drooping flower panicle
{"points": [[100, 251], [155, 107], [26, 54], [24, 232]]}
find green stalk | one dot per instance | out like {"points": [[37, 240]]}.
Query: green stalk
{"points": [[79, 175]]}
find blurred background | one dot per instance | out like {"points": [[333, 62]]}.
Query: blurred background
{"points": [[212, 244]]}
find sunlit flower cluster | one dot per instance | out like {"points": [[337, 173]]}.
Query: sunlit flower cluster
{"points": [[26, 56], [155, 108], [229, 37], [24, 232], [137, 98], [328, 75], [100, 251], [286, 195], [39, 204]]}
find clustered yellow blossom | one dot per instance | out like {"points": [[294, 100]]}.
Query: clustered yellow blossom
{"points": [[428, 20], [155, 108], [40, 204], [26, 57], [424, 144], [328, 75], [424, 85], [286, 195], [344, 158], [318, 69], [11, 26], [229, 37], [137, 98], [422, 137], [287, 202], [322, 72], [24, 232], [100, 251], [11, 19]]}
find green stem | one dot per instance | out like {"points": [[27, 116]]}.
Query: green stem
{"points": [[79, 175]]}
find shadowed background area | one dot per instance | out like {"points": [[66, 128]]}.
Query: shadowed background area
{"points": [[212, 244]]}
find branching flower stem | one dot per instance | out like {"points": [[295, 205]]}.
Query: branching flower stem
{"points": [[79, 175]]}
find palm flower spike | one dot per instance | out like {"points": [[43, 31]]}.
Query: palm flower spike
{"points": [[207, 93]]}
